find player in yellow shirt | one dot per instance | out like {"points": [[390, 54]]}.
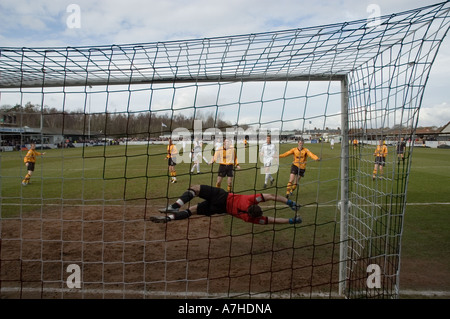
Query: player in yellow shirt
{"points": [[246, 138], [171, 156], [355, 143], [380, 158], [298, 167], [30, 161], [227, 159]]}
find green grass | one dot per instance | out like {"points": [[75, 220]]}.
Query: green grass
{"points": [[130, 173], [426, 236], [98, 175]]}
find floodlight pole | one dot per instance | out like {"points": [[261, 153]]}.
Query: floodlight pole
{"points": [[344, 187]]}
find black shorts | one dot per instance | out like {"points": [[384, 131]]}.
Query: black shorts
{"points": [[297, 171], [225, 170], [215, 201], [380, 160], [172, 161], [30, 166]]}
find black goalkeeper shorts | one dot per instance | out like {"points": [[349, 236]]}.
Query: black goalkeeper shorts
{"points": [[215, 201]]}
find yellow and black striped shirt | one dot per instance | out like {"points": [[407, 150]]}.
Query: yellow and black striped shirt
{"points": [[300, 156], [171, 151], [226, 156], [381, 151], [31, 156]]}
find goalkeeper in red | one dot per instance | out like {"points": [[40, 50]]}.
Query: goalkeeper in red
{"points": [[218, 201], [30, 161], [298, 166]]}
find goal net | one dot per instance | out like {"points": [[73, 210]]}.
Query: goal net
{"points": [[78, 225]]}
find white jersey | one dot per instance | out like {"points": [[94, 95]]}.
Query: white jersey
{"points": [[197, 147], [268, 151], [197, 151]]}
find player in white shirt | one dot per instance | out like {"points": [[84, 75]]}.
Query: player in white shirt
{"points": [[268, 153], [197, 155], [218, 143]]}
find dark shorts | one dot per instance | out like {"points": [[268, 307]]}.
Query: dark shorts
{"points": [[30, 166], [401, 148], [215, 201], [225, 170], [297, 171], [380, 160], [172, 161]]}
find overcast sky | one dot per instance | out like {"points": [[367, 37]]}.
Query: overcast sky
{"points": [[43, 23]]}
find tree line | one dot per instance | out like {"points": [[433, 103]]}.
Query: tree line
{"points": [[118, 124]]}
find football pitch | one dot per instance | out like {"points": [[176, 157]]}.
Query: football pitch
{"points": [[96, 178]]}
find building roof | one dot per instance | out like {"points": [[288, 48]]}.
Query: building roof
{"points": [[445, 128]]}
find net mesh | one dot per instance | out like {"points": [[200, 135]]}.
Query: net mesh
{"points": [[89, 206]]}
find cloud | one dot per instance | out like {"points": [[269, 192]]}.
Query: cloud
{"points": [[133, 21], [437, 115], [27, 16]]}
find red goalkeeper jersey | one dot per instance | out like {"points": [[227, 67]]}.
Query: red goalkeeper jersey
{"points": [[237, 205]]}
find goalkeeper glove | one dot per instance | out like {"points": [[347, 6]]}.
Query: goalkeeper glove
{"points": [[293, 205], [296, 220]]}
